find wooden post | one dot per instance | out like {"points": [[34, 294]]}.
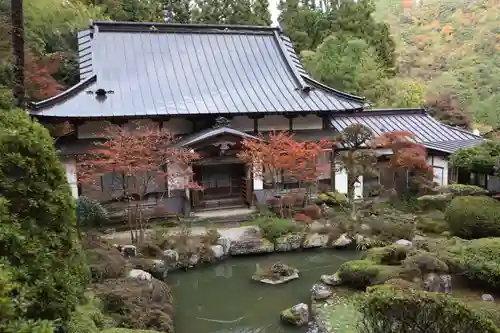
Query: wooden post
{"points": [[17, 21]]}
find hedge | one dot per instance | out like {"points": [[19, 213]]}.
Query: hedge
{"points": [[386, 309], [472, 217], [38, 237]]}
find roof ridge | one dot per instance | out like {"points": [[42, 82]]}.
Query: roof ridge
{"points": [[65, 94], [333, 90], [455, 128], [302, 85], [383, 112], [185, 25]]}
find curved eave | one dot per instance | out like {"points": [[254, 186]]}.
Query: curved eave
{"points": [[80, 86], [331, 90]]}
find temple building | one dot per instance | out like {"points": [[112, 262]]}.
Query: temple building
{"points": [[214, 85]]}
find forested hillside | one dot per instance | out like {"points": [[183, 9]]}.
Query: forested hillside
{"points": [[444, 54], [453, 48]]}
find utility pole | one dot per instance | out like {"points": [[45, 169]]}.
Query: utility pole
{"points": [[17, 22]]}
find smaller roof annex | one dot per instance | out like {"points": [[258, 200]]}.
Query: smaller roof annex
{"points": [[427, 130], [151, 69]]}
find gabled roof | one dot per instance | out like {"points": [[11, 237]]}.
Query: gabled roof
{"points": [[211, 133], [151, 69], [427, 130]]}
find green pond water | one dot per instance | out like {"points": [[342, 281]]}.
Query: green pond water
{"points": [[222, 297]]}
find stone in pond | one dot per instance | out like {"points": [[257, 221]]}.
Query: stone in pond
{"points": [[140, 275], [251, 245], [342, 241], [331, 280], [437, 283], [315, 240], [403, 242], [276, 274], [487, 298], [297, 315], [171, 256], [218, 251], [320, 291]]}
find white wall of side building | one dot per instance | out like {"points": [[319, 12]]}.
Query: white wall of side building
{"points": [[341, 184], [439, 166], [69, 165]]}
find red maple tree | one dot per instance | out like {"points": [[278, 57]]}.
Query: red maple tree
{"points": [[407, 156], [281, 155], [144, 159], [39, 71]]}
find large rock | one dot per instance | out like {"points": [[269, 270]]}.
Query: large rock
{"points": [[129, 251], [251, 245], [278, 273], [194, 259], [331, 280], [226, 244], [218, 251], [315, 240], [438, 283], [320, 292], [342, 241], [487, 298], [139, 275], [297, 315], [403, 242], [288, 243]]}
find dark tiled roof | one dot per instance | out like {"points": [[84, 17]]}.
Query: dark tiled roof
{"points": [[173, 69], [427, 130]]}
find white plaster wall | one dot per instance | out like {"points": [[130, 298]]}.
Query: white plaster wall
{"points": [[341, 184], [69, 165], [92, 129], [308, 122], [178, 126], [137, 123], [440, 162], [274, 122], [242, 123]]}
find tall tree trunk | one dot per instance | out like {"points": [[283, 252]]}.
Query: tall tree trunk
{"points": [[18, 88]]}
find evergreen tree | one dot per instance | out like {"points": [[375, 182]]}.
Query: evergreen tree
{"points": [[210, 11], [177, 11], [261, 13], [239, 12]]}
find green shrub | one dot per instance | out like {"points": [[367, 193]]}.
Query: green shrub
{"points": [[87, 318], [388, 255], [90, 213], [474, 217], [425, 262], [38, 236], [358, 273], [385, 309], [462, 190], [398, 283], [478, 260], [391, 225], [273, 228], [437, 201], [430, 225], [13, 302]]}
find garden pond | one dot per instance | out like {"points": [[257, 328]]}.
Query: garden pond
{"points": [[223, 298]]}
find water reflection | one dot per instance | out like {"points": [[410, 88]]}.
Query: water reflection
{"points": [[223, 298]]}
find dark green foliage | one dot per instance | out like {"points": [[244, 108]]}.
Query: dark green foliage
{"points": [[402, 284], [388, 255], [90, 213], [87, 318], [472, 217], [178, 11], [478, 260], [386, 309], [38, 235], [364, 273], [428, 224], [273, 227], [480, 159]]}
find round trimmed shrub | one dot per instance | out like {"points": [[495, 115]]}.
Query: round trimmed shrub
{"points": [[90, 213], [39, 238], [462, 190], [472, 217], [426, 263], [388, 255], [358, 273]]}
